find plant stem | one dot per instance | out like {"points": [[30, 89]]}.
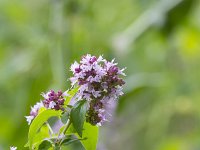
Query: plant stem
{"points": [[50, 129], [67, 126], [65, 130]]}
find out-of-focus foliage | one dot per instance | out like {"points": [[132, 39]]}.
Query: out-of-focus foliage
{"points": [[157, 40]]}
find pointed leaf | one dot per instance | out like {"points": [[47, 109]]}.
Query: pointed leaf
{"points": [[78, 116], [69, 140], [37, 123], [65, 117], [45, 145], [41, 135]]}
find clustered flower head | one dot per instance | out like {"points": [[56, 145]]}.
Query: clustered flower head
{"points": [[52, 100], [100, 82]]}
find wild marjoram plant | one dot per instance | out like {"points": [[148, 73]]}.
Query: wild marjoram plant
{"points": [[80, 110]]}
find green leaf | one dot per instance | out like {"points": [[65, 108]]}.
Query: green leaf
{"points": [[37, 123], [69, 140], [45, 145], [41, 110], [71, 129], [90, 132], [71, 93], [65, 117], [41, 135], [78, 116]]}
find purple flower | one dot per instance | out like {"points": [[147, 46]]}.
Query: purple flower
{"points": [[53, 100], [100, 82]]}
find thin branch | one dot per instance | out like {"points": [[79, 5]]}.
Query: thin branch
{"points": [[67, 126], [50, 129]]}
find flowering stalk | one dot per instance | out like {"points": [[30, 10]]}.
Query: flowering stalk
{"points": [[100, 84], [96, 83]]}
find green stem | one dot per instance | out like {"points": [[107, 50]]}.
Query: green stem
{"points": [[65, 130], [50, 129], [67, 126]]}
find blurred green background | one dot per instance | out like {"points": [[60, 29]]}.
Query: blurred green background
{"points": [[157, 40]]}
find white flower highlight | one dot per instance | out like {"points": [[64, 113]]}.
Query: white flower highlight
{"points": [[13, 148]]}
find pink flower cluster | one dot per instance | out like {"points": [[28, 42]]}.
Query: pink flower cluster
{"points": [[52, 100], [100, 82]]}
